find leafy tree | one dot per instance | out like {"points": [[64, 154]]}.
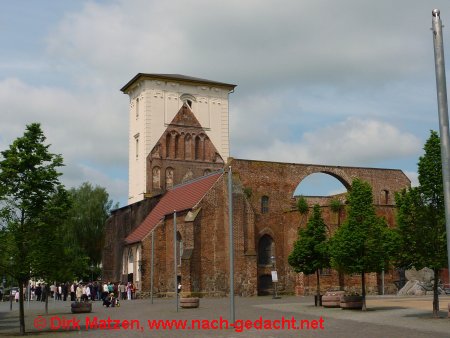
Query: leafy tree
{"points": [[303, 208], [91, 207], [363, 243], [421, 218], [336, 207], [29, 179], [310, 253]]}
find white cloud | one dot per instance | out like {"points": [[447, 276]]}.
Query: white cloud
{"points": [[302, 68], [261, 43], [354, 141], [81, 127], [413, 177], [116, 187]]}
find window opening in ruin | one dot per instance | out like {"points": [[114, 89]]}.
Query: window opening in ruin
{"points": [[385, 197], [264, 204], [320, 184]]}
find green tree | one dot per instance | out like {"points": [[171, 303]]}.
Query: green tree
{"points": [[421, 218], [29, 179], [362, 243], [310, 253], [91, 207], [336, 207], [303, 208]]}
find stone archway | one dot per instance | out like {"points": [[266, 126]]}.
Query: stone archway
{"points": [[266, 250]]}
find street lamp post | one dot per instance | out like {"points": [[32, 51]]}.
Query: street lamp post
{"points": [[10, 290]]}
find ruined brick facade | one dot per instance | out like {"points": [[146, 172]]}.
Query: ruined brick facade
{"points": [[265, 224], [265, 220]]}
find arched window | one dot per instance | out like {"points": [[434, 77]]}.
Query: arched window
{"points": [[156, 178], [168, 144], [188, 147], [177, 150], [266, 249], [264, 204], [169, 178], [188, 99], [130, 261], [198, 150], [137, 107], [384, 197]]}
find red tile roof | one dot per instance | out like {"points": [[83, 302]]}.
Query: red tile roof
{"points": [[181, 197]]}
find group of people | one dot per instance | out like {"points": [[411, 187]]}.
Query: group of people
{"points": [[112, 292], [107, 292]]}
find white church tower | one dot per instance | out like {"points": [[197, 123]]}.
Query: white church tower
{"points": [[154, 101]]}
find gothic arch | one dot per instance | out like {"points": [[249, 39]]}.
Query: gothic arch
{"points": [[177, 146], [337, 173], [266, 249], [156, 178], [198, 149], [168, 144], [188, 147], [169, 177]]}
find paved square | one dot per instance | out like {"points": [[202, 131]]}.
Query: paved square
{"points": [[388, 316]]}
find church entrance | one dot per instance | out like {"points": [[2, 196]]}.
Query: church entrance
{"points": [[266, 257]]}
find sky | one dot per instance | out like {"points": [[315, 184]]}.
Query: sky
{"points": [[346, 82]]}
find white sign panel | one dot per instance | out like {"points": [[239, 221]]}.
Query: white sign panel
{"points": [[274, 277]]}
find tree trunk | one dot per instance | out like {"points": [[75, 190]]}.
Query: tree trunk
{"points": [[341, 280], [363, 290], [47, 292], [436, 294], [21, 308], [318, 287]]}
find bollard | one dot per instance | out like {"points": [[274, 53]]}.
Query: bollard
{"points": [[448, 310]]}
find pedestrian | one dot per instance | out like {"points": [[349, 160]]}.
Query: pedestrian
{"points": [[72, 292], [79, 292], [105, 291], [38, 292], [129, 291], [123, 291]]}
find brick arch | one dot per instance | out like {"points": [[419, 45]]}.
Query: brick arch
{"points": [[337, 173], [279, 180]]}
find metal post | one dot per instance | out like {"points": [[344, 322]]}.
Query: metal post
{"points": [[151, 266], [382, 282], [10, 298], [443, 117], [175, 255], [230, 221]]}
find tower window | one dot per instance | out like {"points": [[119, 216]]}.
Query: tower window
{"points": [[137, 107], [136, 138]]}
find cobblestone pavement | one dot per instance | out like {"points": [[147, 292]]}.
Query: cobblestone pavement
{"points": [[387, 316]]}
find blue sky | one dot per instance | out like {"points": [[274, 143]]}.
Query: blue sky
{"points": [[319, 81]]}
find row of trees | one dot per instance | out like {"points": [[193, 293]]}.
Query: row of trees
{"points": [[364, 243], [46, 231]]}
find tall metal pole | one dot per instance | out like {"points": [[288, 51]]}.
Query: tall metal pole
{"points": [[175, 255], [151, 265], [443, 117], [230, 221]]}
